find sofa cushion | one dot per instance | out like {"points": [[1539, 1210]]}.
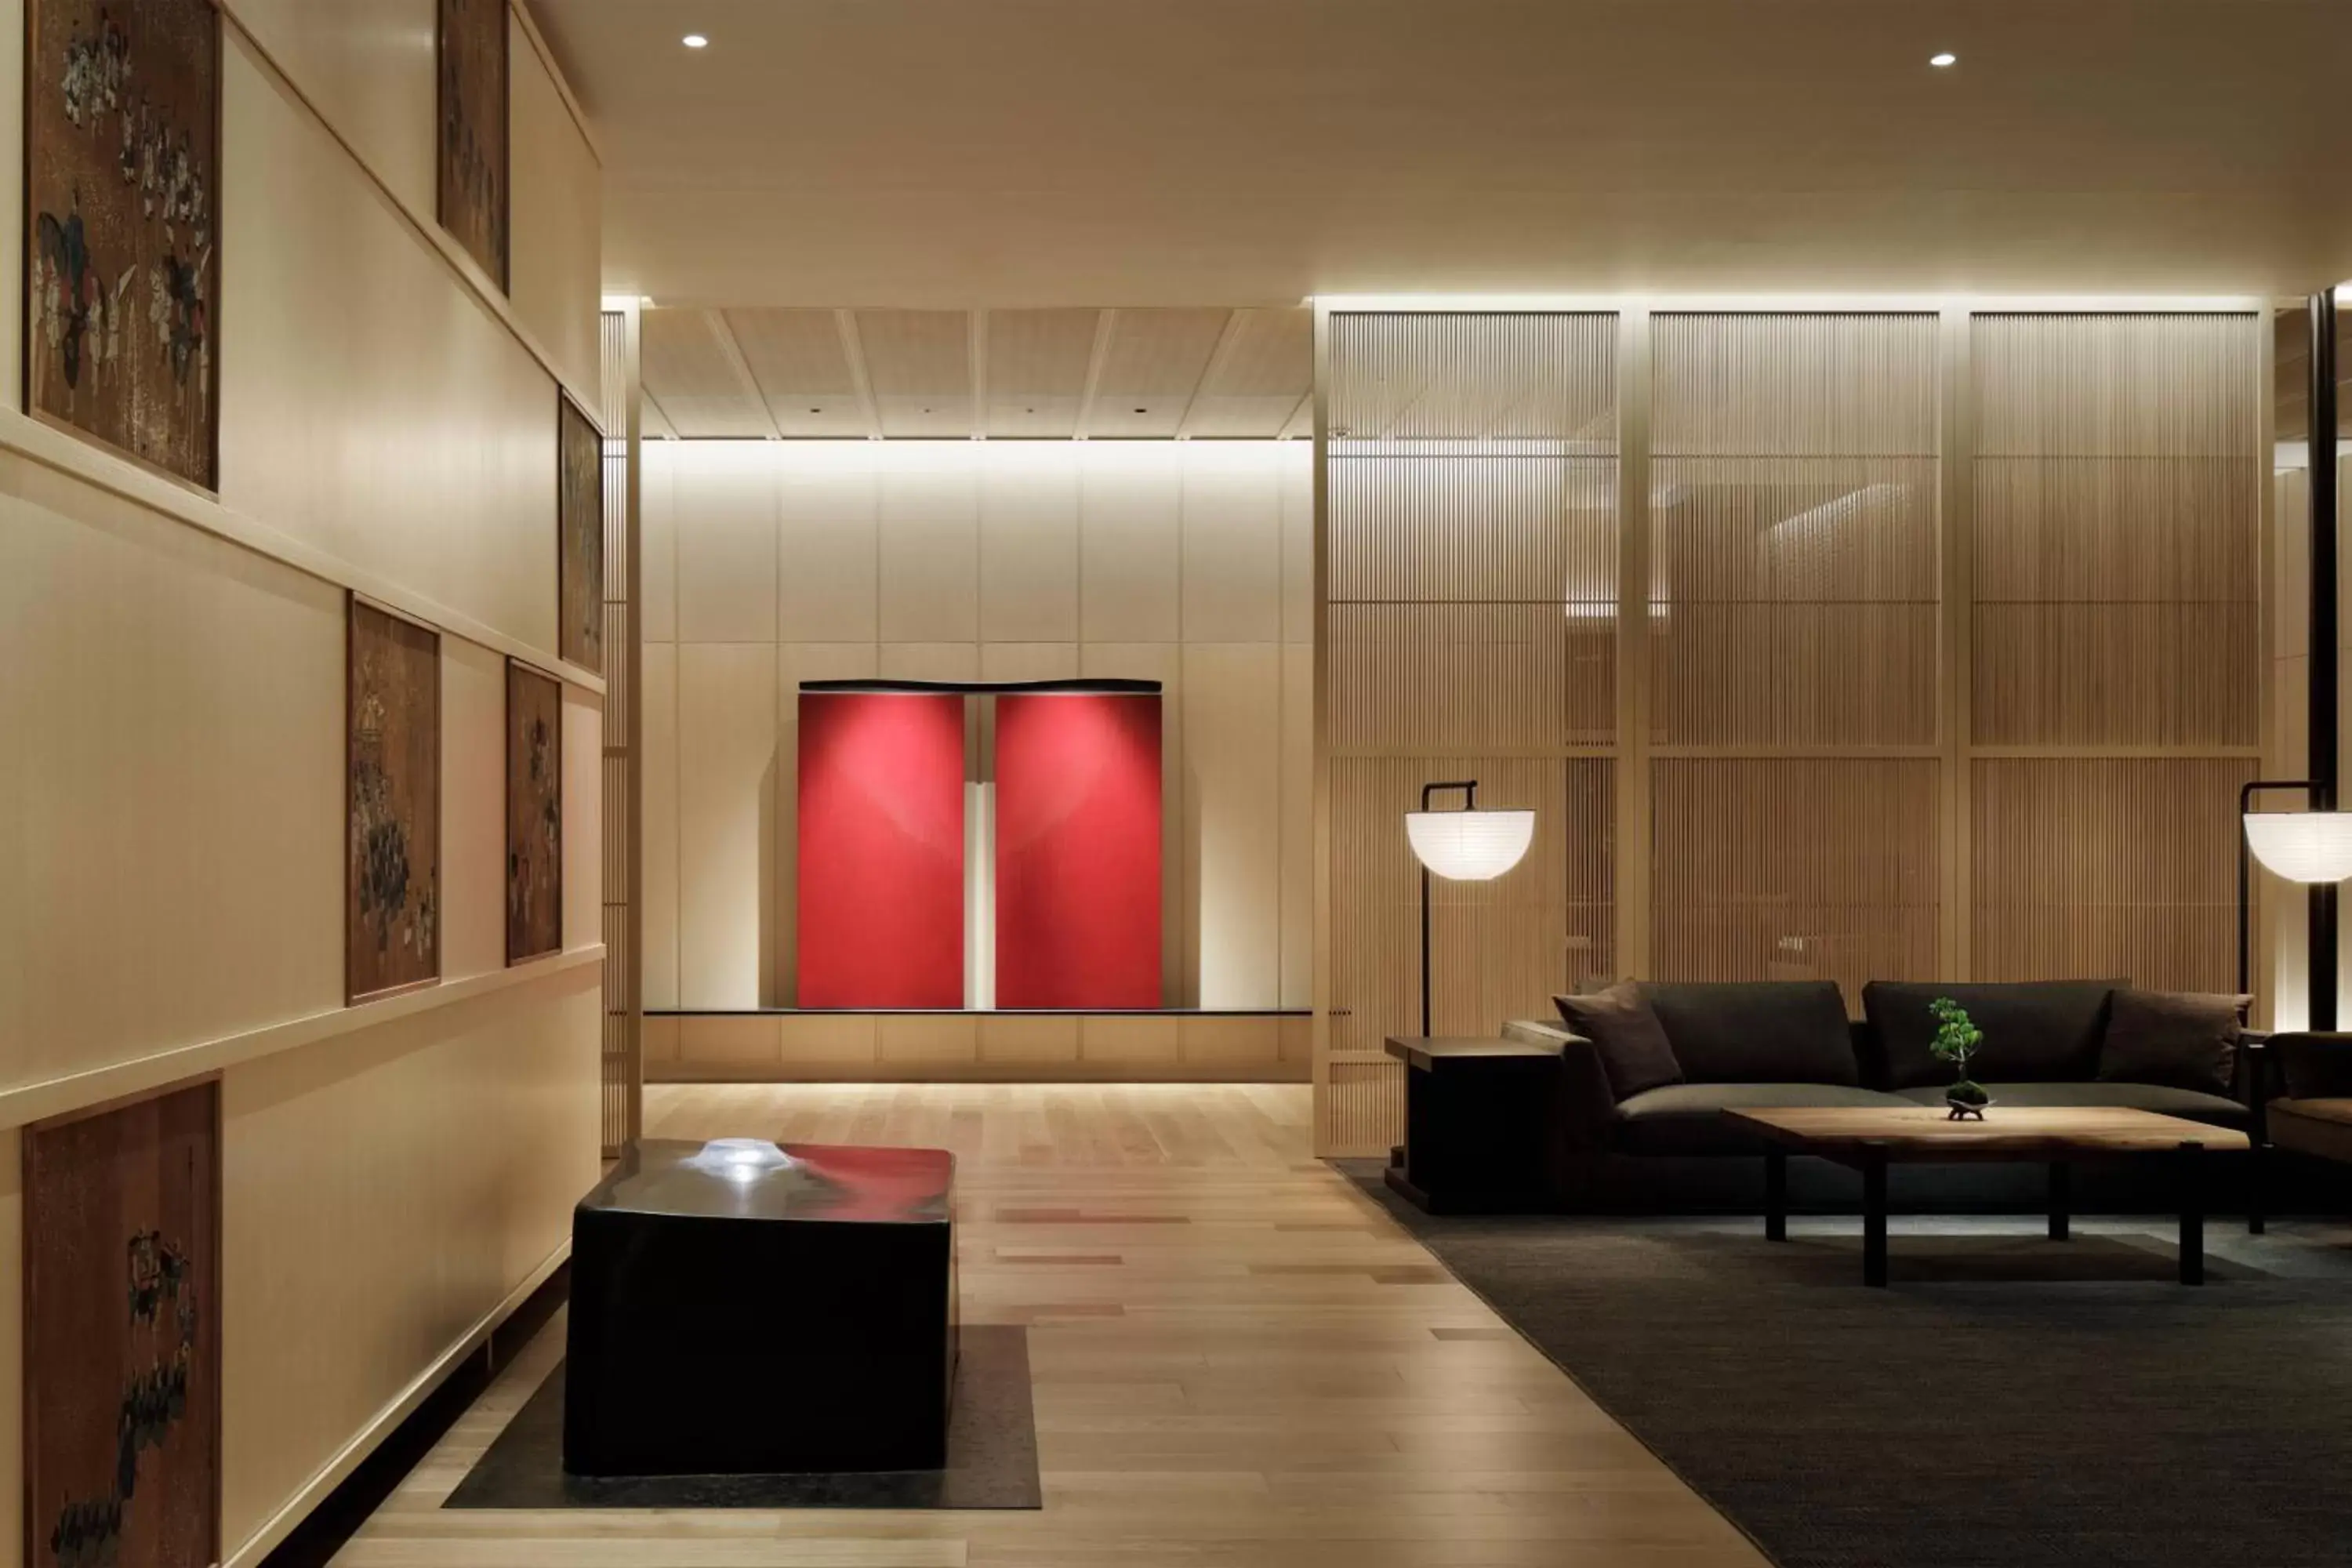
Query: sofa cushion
{"points": [[2322, 1128], [2164, 1099], [1688, 1117], [1632, 1045], [1756, 1031], [2187, 1039], [2045, 1031]]}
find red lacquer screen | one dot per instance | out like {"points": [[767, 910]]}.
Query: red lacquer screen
{"points": [[1077, 851], [881, 851]]}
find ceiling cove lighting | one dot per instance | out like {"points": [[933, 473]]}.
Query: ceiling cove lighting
{"points": [[1944, 61], [695, 41]]}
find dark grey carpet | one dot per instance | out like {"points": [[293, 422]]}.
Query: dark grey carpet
{"points": [[991, 1455], [2009, 1402]]}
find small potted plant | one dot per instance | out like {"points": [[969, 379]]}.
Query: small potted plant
{"points": [[1957, 1039]]}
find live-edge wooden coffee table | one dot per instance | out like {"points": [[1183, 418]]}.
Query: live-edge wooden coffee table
{"points": [[1871, 1138]]}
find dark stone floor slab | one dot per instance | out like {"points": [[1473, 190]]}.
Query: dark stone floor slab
{"points": [[991, 1455]]}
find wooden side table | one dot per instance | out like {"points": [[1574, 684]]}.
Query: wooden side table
{"points": [[1479, 1125]]}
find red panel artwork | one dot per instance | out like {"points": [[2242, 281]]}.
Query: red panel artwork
{"points": [[1077, 851], [881, 851]]}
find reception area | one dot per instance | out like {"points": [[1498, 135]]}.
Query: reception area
{"points": [[1025, 784]]}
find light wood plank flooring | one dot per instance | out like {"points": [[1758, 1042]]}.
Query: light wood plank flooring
{"points": [[1238, 1362]]}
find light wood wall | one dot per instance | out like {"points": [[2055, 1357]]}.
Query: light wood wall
{"points": [[1914, 644], [769, 563], [171, 886]]}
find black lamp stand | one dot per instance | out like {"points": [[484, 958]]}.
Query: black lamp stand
{"points": [[1470, 803]]}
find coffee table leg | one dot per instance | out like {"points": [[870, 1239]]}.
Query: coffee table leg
{"points": [[1873, 1218], [1776, 1196], [2061, 1198], [2192, 1215], [2258, 1194]]}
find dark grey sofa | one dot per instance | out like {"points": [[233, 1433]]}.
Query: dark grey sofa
{"points": [[1788, 1043]]}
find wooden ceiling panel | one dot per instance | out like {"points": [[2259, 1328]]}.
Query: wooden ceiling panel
{"points": [[1036, 371], [802, 367], [1153, 369], [689, 371], [918, 364]]}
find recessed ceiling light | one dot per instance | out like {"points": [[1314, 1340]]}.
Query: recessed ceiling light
{"points": [[1942, 60], [695, 41]]}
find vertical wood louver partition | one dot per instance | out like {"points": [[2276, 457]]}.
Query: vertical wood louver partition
{"points": [[1943, 659], [1793, 698], [622, 1059], [2116, 640], [1471, 632]]}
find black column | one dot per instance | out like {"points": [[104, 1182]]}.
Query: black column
{"points": [[2324, 652]]}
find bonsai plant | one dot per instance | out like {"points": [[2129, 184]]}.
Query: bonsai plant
{"points": [[1957, 1039]]}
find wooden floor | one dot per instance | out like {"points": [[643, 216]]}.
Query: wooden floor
{"points": [[1238, 1360]]}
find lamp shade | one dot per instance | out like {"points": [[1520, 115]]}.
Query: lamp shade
{"points": [[1470, 846], [2303, 845]]}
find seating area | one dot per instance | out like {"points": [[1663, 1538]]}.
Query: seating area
{"points": [[1649, 1067]]}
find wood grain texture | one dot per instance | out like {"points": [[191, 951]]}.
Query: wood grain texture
{"points": [[122, 122], [2107, 867], [392, 886], [2116, 543], [470, 111], [1470, 631], [122, 1324], [1794, 868], [1793, 516], [534, 881], [1235, 1359], [1924, 1133]]}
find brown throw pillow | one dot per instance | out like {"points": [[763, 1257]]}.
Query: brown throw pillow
{"points": [[1632, 1046], [2179, 1039]]}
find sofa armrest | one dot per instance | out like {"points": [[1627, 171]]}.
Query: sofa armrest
{"points": [[2307, 1065], [1588, 1107]]}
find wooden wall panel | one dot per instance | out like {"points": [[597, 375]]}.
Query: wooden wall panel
{"points": [[1795, 868], [1794, 495], [2116, 545], [1472, 566], [140, 651], [1450, 377], [367, 65], [387, 1192], [370, 406], [2092, 867], [556, 239]]}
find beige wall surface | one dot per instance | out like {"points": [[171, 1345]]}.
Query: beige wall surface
{"points": [[172, 883], [557, 221], [769, 563]]}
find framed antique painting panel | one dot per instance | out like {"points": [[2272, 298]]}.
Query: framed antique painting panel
{"points": [[392, 914], [122, 1403], [470, 106], [534, 814], [122, 107], [580, 531]]}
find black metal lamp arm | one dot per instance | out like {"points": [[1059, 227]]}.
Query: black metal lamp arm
{"points": [[1469, 788]]}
